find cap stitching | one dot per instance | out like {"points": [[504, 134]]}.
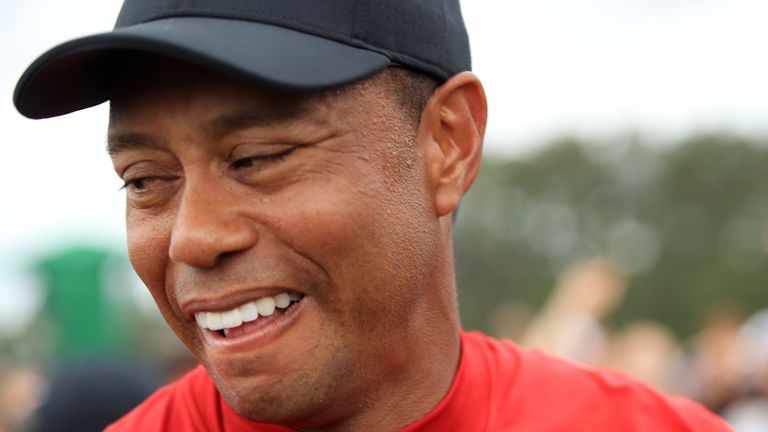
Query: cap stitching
{"points": [[359, 22]]}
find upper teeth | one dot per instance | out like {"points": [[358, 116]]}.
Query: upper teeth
{"points": [[248, 312]]}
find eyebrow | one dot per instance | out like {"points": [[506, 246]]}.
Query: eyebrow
{"points": [[253, 117], [249, 117], [118, 142]]}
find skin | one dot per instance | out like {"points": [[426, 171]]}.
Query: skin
{"points": [[339, 196]]}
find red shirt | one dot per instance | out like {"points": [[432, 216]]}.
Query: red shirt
{"points": [[498, 387]]}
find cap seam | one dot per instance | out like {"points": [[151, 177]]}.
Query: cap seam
{"points": [[359, 21]]}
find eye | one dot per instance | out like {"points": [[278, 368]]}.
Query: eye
{"points": [[135, 184], [262, 160], [145, 185]]}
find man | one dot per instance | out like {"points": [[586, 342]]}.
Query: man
{"points": [[291, 170]]}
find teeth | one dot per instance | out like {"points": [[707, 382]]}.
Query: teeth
{"points": [[266, 306], [231, 318], [202, 319], [247, 312], [282, 300], [214, 321]]}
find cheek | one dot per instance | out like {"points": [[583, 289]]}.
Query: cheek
{"points": [[148, 240], [148, 252], [371, 236], [336, 230]]}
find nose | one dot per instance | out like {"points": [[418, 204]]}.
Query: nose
{"points": [[208, 226]]}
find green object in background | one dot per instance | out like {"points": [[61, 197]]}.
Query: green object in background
{"points": [[83, 321]]}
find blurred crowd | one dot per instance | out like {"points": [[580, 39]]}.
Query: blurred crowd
{"points": [[92, 381], [89, 354], [724, 366]]}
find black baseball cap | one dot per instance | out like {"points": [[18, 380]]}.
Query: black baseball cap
{"points": [[293, 45]]}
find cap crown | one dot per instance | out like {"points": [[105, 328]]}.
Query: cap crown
{"points": [[428, 35]]}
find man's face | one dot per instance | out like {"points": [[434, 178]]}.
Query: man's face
{"points": [[240, 199]]}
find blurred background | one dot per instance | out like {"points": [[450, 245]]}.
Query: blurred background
{"points": [[620, 218]]}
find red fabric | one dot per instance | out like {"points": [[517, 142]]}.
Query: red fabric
{"points": [[498, 387]]}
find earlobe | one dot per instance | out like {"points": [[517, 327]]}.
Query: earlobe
{"points": [[453, 127]]}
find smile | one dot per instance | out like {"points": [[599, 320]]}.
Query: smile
{"points": [[224, 322]]}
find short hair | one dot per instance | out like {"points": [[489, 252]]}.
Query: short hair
{"points": [[411, 88]]}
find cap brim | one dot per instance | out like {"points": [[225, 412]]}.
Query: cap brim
{"points": [[75, 75]]}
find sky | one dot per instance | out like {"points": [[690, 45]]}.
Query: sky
{"points": [[599, 66], [550, 67]]}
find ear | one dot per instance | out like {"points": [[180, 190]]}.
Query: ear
{"points": [[451, 133]]}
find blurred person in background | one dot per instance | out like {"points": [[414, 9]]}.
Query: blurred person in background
{"points": [[84, 339], [647, 351], [717, 359], [510, 320], [292, 170], [570, 323], [749, 413], [88, 396], [21, 389]]}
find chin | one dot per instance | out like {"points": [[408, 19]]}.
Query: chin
{"points": [[299, 403], [260, 401], [257, 405], [276, 410]]}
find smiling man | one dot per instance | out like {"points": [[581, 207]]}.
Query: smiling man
{"points": [[289, 240], [291, 170]]}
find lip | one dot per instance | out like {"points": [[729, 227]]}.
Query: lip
{"points": [[271, 330], [227, 302]]}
